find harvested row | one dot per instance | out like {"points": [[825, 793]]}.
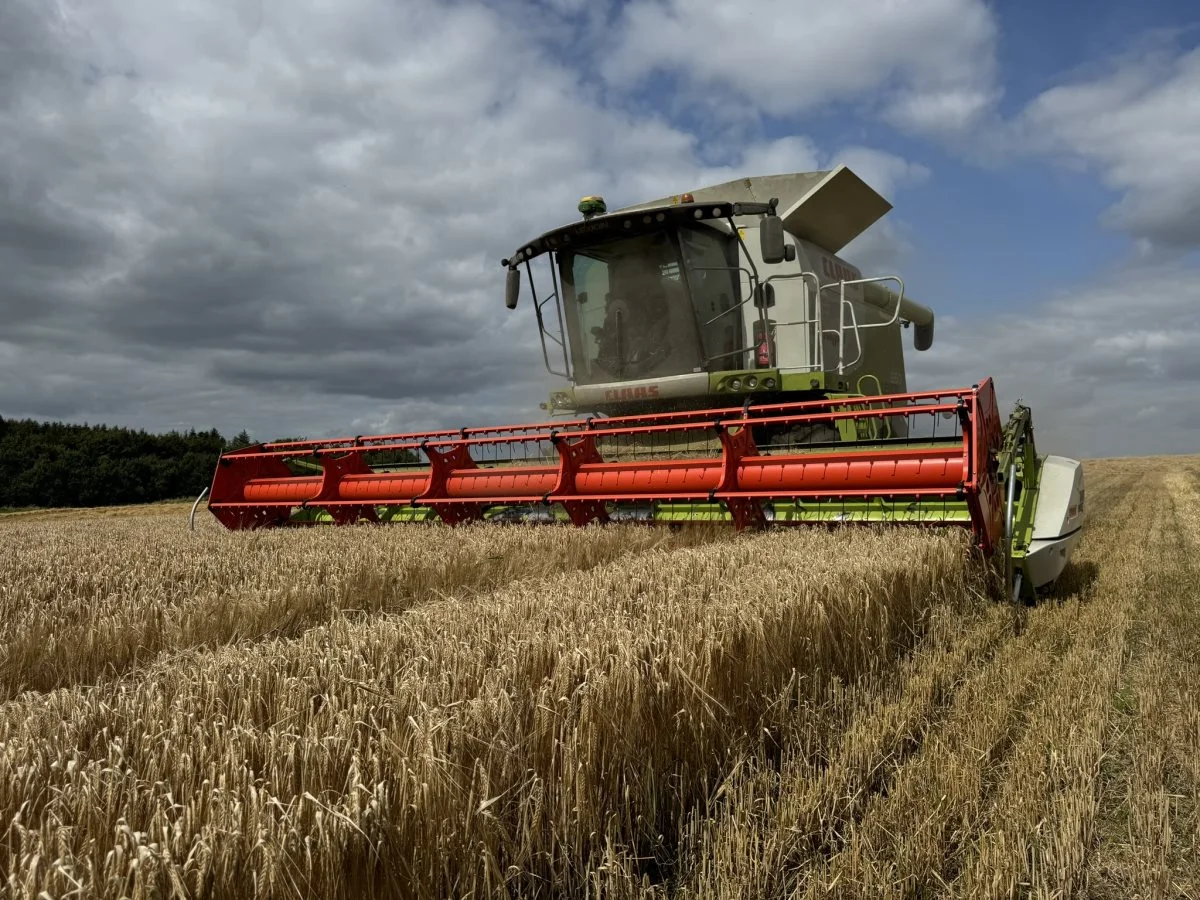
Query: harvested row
{"points": [[553, 733], [999, 800], [1037, 826], [974, 769], [882, 813], [777, 824], [1150, 828], [905, 843], [79, 601]]}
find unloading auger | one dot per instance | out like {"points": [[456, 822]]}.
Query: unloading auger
{"points": [[710, 377]]}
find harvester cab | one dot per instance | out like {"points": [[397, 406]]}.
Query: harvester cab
{"points": [[720, 362], [726, 293]]}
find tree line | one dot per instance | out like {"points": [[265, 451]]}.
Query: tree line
{"points": [[55, 464]]}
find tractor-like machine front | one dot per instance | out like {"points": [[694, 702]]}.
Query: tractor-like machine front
{"points": [[720, 363]]}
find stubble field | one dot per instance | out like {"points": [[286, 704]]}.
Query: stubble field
{"points": [[610, 712]]}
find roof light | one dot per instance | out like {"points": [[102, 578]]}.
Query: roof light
{"points": [[687, 198]]}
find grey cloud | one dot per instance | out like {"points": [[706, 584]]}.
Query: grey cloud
{"points": [[1087, 364], [26, 49], [1168, 218], [40, 235], [410, 365], [932, 62], [1183, 365], [163, 221], [1113, 367], [1138, 125]]}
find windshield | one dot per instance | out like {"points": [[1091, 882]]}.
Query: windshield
{"points": [[629, 311]]}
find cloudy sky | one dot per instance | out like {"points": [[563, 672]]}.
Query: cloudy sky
{"points": [[288, 215]]}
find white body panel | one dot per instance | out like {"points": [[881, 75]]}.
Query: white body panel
{"points": [[812, 336], [1058, 521], [794, 311], [690, 385]]}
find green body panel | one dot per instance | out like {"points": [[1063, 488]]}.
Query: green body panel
{"points": [[787, 382], [310, 516], [406, 514], [795, 382], [926, 512], [1019, 461]]}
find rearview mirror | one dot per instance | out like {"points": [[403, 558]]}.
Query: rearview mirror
{"points": [[770, 234], [512, 288]]}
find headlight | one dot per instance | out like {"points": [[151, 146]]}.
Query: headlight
{"points": [[751, 382], [735, 384], [770, 384]]}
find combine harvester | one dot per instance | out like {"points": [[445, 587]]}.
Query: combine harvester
{"points": [[720, 362]]}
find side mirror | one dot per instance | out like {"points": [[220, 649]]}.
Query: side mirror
{"points": [[512, 288], [770, 233], [764, 296]]}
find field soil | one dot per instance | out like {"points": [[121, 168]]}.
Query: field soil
{"points": [[513, 711]]}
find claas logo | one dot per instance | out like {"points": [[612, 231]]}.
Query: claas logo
{"points": [[643, 392], [839, 270]]}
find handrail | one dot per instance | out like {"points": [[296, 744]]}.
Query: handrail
{"points": [[740, 303], [847, 305], [542, 332], [559, 301], [843, 302], [755, 281], [875, 280], [817, 349]]}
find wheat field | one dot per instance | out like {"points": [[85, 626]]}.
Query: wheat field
{"points": [[500, 711]]}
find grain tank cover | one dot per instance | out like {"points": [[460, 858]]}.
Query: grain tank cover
{"points": [[830, 208], [758, 189], [837, 209]]}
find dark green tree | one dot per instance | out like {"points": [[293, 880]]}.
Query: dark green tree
{"points": [[54, 464], [240, 440]]}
